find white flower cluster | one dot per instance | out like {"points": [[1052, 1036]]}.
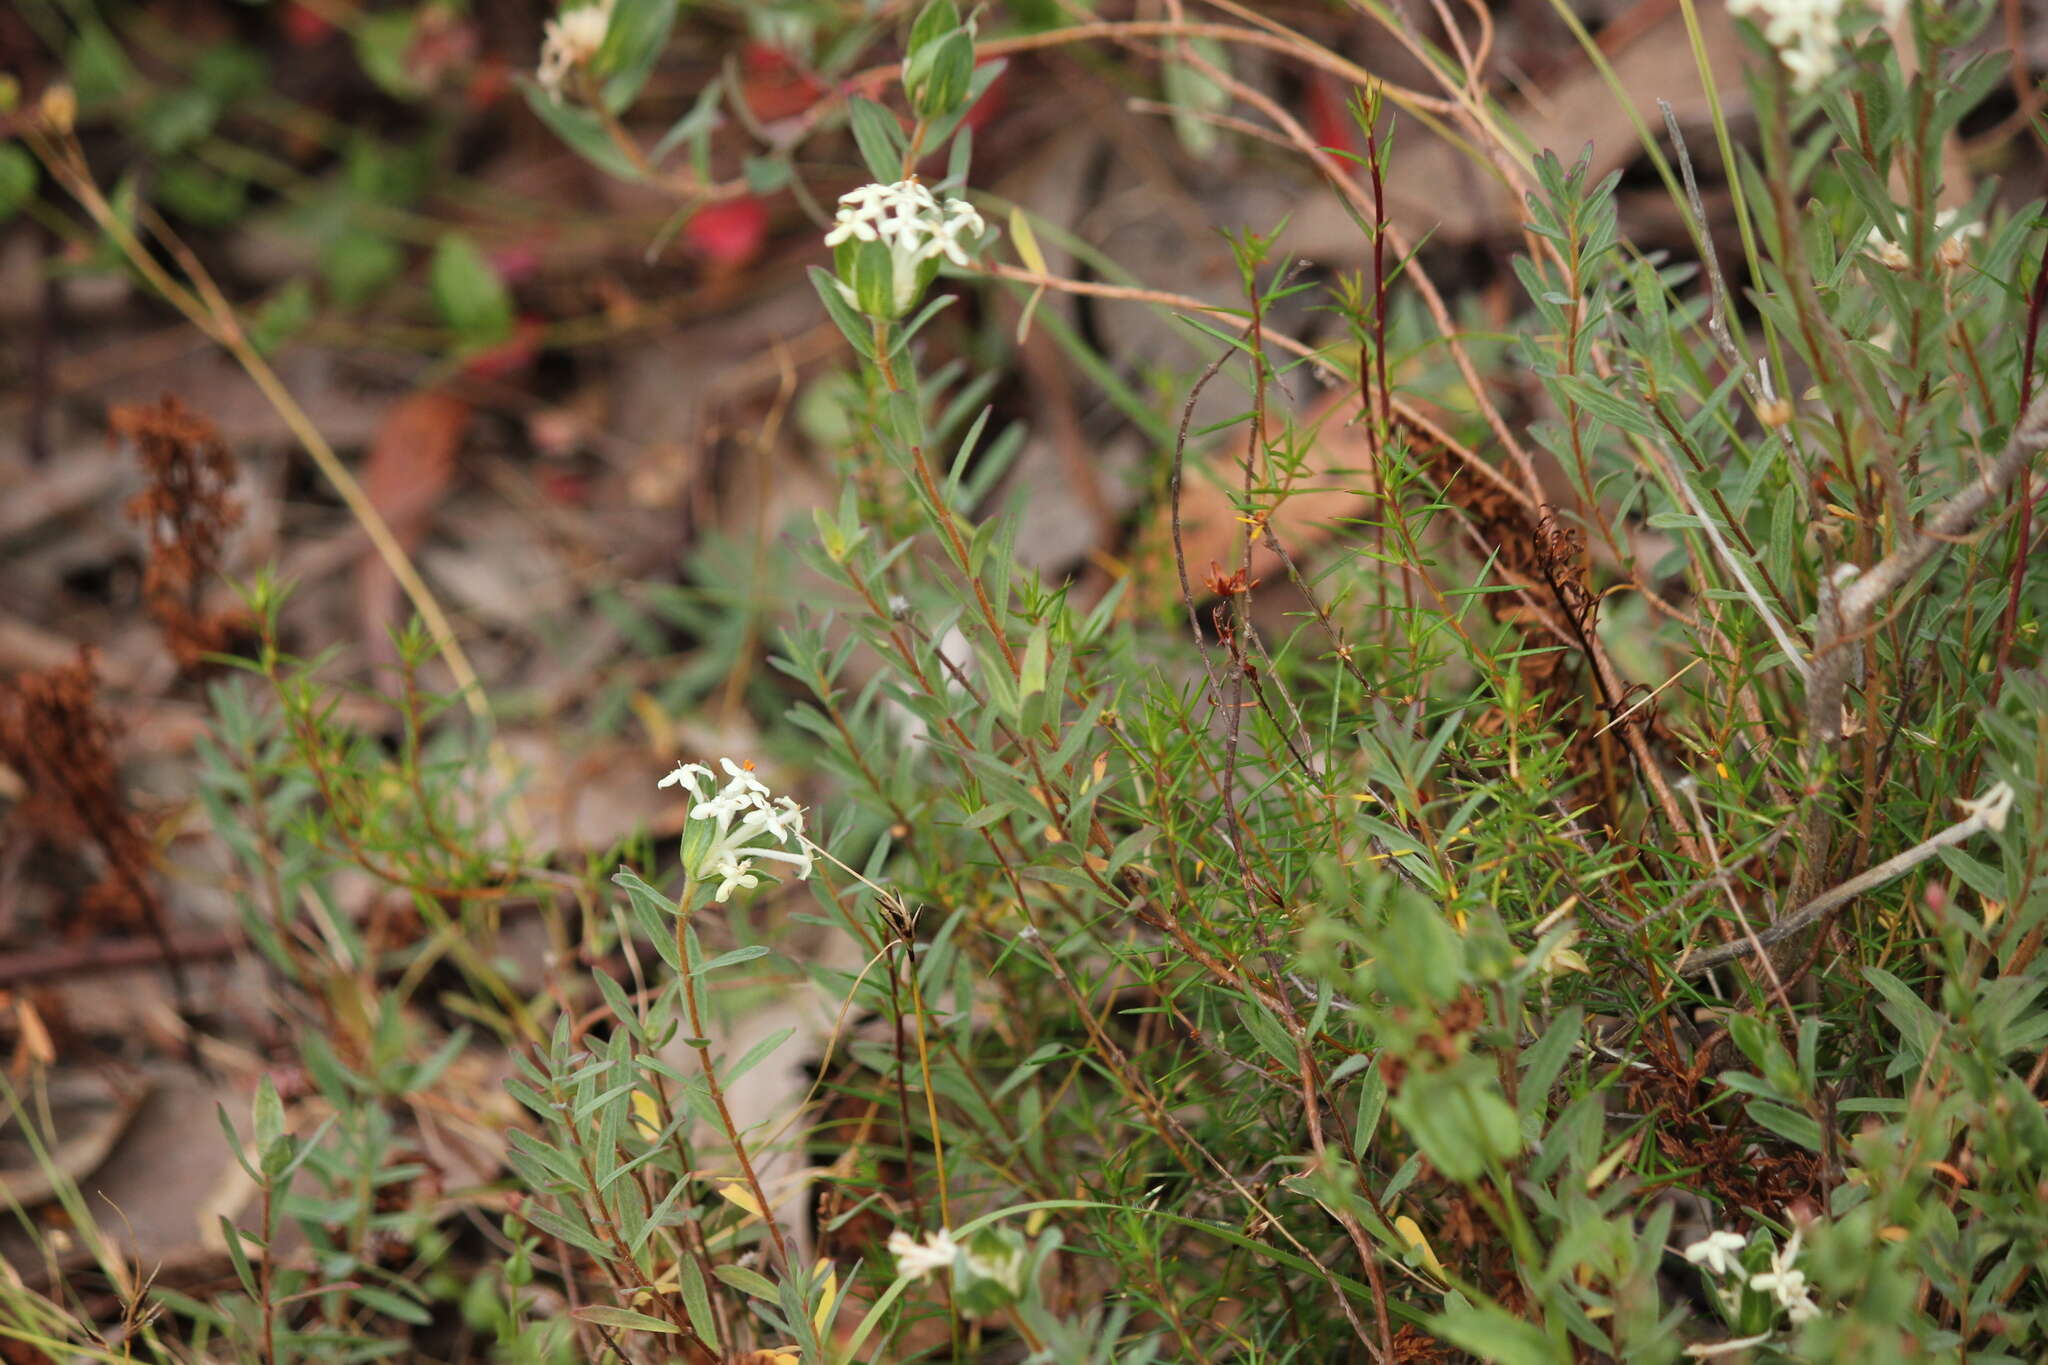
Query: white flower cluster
{"points": [[570, 40], [1991, 808], [915, 225], [1807, 33], [738, 816], [1786, 1283], [1719, 1254], [907, 218], [916, 1259], [1951, 250], [938, 1251]]}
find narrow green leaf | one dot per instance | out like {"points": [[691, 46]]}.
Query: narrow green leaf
{"points": [[605, 1315]]}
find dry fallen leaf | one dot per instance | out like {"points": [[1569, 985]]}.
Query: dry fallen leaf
{"points": [[410, 468]]}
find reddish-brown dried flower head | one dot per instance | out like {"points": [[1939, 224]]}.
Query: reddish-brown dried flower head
{"points": [[186, 514]]}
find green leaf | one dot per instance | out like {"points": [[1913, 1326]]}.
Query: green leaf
{"points": [[765, 174], [1268, 1033], [394, 1305], [1787, 1123], [655, 912], [934, 22], [19, 175], [859, 333], [746, 1281], [472, 299], [1495, 1120], [697, 1300], [1193, 93], [732, 959], [230, 72], [1600, 402], [1372, 1102], [996, 810], [232, 1236], [584, 132], [358, 263], [266, 1115], [1422, 959], [937, 78], [757, 1053], [632, 45], [176, 119], [201, 195], [604, 1315], [283, 316], [880, 140], [1443, 1136], [1031, 672], [1542, 1063], [698, 122], [384, 41], [555, 1225], [1494, 1335], [99, 70]]}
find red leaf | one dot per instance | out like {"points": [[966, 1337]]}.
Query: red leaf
{"points": [[1329, 122], [489, 83], [765, 59], [562, 486], [509, 356], [304, 28], [775, 87], [989, 105], [729, 233], [516, 261]]}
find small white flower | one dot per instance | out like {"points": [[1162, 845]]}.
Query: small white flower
{"points": [[1787, 1283], [1952, 240], [1886, 252], [570, 40], [742, 777], [914, 1258], [1954, 251], [1005, 1267], [1991, 807], [1718, 1253], [733, 875], [724, 842], [687, 775]]}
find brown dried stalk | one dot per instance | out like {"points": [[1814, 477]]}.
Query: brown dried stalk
{"points": [[185, 514], [54, 733]]}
